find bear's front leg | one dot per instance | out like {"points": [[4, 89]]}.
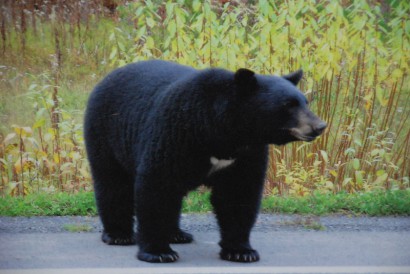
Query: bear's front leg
{"points": [[157, 209], [236, 195], [235, 220]]}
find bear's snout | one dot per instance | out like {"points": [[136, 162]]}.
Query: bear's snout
{"points": [[309, 127], [320, 127]]}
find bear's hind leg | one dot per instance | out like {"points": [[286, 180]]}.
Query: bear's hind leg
{"points": [[114, 196], [181, 237]]}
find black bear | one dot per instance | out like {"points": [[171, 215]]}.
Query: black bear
{"points": [[155, 130]]}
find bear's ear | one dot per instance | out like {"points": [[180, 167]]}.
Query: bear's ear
{"points": [[245, 79], [294, 77]]}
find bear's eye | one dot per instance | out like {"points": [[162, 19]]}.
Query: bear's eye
{"points": [[291, 103]]}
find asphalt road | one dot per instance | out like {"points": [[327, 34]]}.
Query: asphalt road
{"points": [[287, 244]]}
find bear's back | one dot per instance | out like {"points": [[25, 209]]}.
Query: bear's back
{"points": [[143, 78], [135, 87], [119, 106]]}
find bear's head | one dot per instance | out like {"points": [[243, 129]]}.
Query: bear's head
{"points": [[272, 110]]}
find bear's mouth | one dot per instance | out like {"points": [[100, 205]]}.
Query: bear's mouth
{"points": [[300, 136]]}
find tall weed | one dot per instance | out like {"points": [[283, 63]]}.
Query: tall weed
{"points": [[355, 57]]}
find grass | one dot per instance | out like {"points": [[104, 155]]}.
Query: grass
{"points": [[82, 204], [43, 204], [77, 228], [197, 201], [370, 203]]}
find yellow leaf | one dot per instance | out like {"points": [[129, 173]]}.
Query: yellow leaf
{"points": [[333, 173], [29, 164], [41, 154], [23, 131], [17, 166], [56, 158], [10, 148]]}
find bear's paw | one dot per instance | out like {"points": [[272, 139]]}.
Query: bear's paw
{"points": [[169, 256], [118, 239], [181, 237], [242, 256]]}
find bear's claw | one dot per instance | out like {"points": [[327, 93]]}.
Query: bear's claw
{"points": [[181, 237], [117, 239], [243, 256], [168, 257]]}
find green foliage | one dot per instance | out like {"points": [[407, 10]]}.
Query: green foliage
{"points": [[47, 204], [82, 203], [369, 203], [197, 201], [355, 59]]}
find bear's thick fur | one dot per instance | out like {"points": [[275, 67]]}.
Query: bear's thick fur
{"points": [[155, 130]]}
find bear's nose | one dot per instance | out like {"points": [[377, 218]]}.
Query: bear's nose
{"points": [[319, 128]]}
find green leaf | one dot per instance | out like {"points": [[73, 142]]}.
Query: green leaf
{"points": [[39, 123], [359, 177], [150, 42], [121, 46], [172, 28], [381, 179], [150, 22], [196, 5], [356, 164], [374, 152], [346, 181], [324, 156], [113, 53], [380, 172]]}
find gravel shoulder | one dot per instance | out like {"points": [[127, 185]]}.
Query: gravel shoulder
{"points": [[207, 222]]}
